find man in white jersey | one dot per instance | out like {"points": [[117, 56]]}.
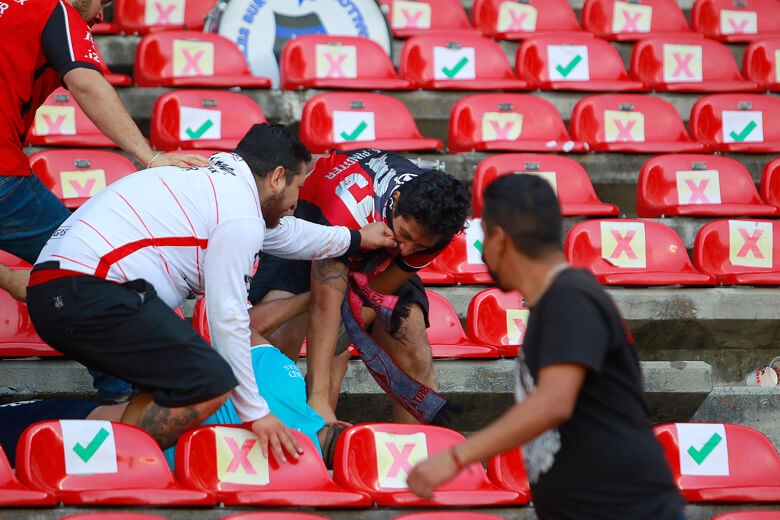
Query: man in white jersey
{"points": [[105, 284]]}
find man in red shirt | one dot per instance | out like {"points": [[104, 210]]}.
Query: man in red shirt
{"points": [[45, 44]]}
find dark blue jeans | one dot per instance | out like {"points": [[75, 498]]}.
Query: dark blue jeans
{"points": [[29, 214]]}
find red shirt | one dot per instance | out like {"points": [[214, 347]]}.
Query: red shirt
{"points": [[41, 41]]}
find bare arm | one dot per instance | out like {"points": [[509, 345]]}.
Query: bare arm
{"points": [[15, 282], [266, 317]]}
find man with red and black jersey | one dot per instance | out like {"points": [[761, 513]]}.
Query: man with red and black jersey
{"points": [[423, 209], [45, 44]]}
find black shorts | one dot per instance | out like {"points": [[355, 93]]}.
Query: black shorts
{"points": [[127, 331]]}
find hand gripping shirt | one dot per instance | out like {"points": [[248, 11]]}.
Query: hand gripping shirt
{"points": [[191, 232]]}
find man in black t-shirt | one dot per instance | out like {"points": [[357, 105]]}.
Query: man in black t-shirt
{"points": [[581, 416]]}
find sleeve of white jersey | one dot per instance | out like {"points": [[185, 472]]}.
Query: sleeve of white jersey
{"points": [[298, 239], [228, 267]]}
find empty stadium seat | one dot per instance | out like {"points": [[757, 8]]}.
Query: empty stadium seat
{"points": [[508, 471], [687, 64], [13, 493], [761, 63], [202, 119], [736, 20], [411, 18], [511, 122], [770, 183], [499, 319], [568, 178], [573, 62], [721, 462], [436, 274], [274, 515], [105, 27], [694, 184], [457, 61], [630, 123], [737, 122], [14, 262], [227, 462], [510, 20], [462, 258], [142, 16], [338, 62], [632, 252], [352, 120], [106, 515], [446, 334], [118, 80], [60, 121], [17, 334], [749, 515], [99, 462], [633, 19], [76, 175], [192, 59], [739, 251], [446, 515], [376, 459]]}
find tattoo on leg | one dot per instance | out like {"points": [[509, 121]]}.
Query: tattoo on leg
{"points": [[166, 427], [344, 339], [331, 273]]}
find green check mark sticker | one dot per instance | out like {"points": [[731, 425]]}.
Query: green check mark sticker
{"points": [[744, 133], [565, 71], [452, 72], [355, 133], [699, 455], [478, 245], [86, 453], [196, 134]]}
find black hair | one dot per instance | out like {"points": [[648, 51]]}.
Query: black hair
{"points": [[264, 147], [437, 201], [526, 208]]}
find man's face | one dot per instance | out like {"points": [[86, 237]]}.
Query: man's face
{"points": [[492, 252], [91, 10], [284, 202], [410, 236]]}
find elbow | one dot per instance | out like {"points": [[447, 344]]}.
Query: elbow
{"points": [[559, 411]]}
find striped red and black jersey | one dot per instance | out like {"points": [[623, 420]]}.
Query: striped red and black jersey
{"points": [[41, 41]]}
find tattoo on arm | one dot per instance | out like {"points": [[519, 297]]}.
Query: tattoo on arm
{"points": [[166, 427], [331, 273]]}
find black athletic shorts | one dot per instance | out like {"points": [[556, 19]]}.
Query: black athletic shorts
{"points": [[127, 331]]}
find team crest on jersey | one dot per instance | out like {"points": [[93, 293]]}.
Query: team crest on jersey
{"points": [[404, 178]]}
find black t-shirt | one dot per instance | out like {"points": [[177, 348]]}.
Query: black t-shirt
{"points": [[604, 462]]}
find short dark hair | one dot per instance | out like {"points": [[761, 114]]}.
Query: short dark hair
{"points": [[264, 147], [437, 201], [526, 208]]}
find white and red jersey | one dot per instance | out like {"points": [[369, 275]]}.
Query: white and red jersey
{"points": [[189, 232]]}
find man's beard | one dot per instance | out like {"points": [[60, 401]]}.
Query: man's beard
{"points": [[82, 6], [274, 212]]}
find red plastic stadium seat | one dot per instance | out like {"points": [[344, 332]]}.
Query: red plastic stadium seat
{"points": [[113, 516], [749, 515], [457, 61], [721, 462], [687, 64], [630, 123], [352, 120], [61, 122], [99, 462], [274, 515], [736, 20], [338, 62], [632, 252], [573, 62], [447, 515], [761, 63], [499, 319], [14, 493], [118, 80], [770, 183], [14, 262], [105, 28], [446, 335], [192, 59], [142, 16], [737, 122], [411, 18], [740, 251], [633, 20], [376, 459], [463, 256], [17, 334], [76, 175], [508, 471], [202, 119], [227, 461], [511, 20], [692, 184], [436, 274], [200, 320], [568, 178], [511, 122]]}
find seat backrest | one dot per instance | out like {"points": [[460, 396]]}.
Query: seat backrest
{"points": [[672, 184], [761, 63], [736, 20], [113, 515], [749, 515], [18, 337], [141, 16], [410, 18], [690, 62], [508, 470], [76, 175], [445, 326], [498, 318], [14, 262], [482, 118], [508, 20], [737, 246], [712, 455], [446, 515], [770, 183], [463, 256], [60, 121], [202, 119], [741, 122], [274, 515], [200, 320], [632, 20]]}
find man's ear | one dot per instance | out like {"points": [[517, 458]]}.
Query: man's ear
{"points": [[277, 180]]}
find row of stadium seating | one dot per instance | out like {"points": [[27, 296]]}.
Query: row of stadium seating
{"points": [[432, 515], [486, 122]]}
